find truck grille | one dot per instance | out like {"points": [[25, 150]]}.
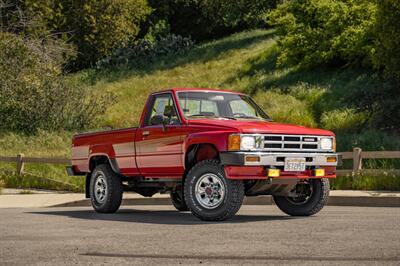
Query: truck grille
{"points": [[291, 143]]}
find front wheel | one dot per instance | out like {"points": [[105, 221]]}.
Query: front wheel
{"points": [[313, 196], [209, 195]]}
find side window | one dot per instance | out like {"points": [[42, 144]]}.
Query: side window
{"points": [[162, 105]]}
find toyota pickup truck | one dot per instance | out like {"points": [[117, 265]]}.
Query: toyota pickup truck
{"points": [[208, 149]]}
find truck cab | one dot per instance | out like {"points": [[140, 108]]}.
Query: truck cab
{"points": [[208, 149]]}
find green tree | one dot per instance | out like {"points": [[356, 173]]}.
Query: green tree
{"points": [[98, 27], [95, 27], [388, 37], [316, 32], [207, 19]]}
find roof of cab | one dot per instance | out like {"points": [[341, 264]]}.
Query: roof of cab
{"points": [[197, 89]]}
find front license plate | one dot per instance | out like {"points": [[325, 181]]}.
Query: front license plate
{"points": [[295, 164]]}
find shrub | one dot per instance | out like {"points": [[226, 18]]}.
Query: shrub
{"points": [[388, 37], [316, 32], [146, 51], [33, 93], [95, 27], [204, 20], [99, 27]]}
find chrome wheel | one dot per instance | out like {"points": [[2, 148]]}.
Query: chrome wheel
{"points": [[100, 189], [210, 191]]}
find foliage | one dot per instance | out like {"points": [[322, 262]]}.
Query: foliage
{"points": [[366, 182], [33, 94], [380, 101], [203, 19], [146, 51], [388, 37], [343, 120], [99, 27], [286, 108], [55, 178], [318, 32], [95, 27], [242, 62], [2, 185]]}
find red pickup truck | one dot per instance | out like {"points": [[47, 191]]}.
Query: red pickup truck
{"points": [[208, 149]]}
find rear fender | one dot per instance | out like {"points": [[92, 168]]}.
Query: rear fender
{"points": [[103, 151]]}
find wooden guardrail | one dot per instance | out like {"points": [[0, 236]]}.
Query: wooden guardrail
{"points": [[357, 155], [20, 161]]}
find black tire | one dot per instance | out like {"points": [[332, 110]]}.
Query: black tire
{"points": [[315, 202], [228, 205], [113, 187], [177, 199]]}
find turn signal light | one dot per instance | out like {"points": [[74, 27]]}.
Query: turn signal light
{"points": [[319, 172], [234, 142], [253, 159], [274, 172], [331, 159], [334, 144]]}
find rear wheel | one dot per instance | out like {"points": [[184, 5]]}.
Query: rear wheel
{"points": [[178, 200], [312, 197], [209, 195], [105, 189]]}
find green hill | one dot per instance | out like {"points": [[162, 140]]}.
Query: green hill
{"points": [[243, 62]]}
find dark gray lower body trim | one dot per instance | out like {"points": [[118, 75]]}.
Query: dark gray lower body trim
{"points": [[232, 158], [72, 172], [114, 165]]}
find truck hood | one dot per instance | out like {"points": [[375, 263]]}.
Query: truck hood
{"points": [[262, 127]]}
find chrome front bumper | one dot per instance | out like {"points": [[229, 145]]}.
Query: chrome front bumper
{"points": [[277, 159]]}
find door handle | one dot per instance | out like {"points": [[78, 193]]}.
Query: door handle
{"points": [[146, 133]]}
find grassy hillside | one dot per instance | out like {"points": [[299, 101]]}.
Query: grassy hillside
{"points": [[243, 62]]}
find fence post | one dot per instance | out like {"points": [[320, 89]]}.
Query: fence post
{"points": [[357, 160], [20, 164]]}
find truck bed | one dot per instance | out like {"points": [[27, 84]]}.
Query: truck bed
{"points": [[116, 145]]}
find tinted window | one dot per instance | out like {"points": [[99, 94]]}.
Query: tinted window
{"points": [[163, 105]]}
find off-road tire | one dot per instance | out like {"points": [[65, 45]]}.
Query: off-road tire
{"points": [[177, 199], [114, 189], [316, 202], [232, 200]]}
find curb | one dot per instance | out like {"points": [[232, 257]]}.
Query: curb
{"points": [[358, 201]]}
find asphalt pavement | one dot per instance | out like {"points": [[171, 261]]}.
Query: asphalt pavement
{"points": [[149, 235]]}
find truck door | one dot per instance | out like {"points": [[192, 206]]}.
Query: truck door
{"points": [[158, 145]]}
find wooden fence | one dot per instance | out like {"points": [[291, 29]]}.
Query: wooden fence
{"points": [[21, 160], [357, 155]]}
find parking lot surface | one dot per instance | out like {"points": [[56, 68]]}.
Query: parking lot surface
{"points": [[148, 235]]}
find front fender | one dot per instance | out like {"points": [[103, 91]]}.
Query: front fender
{"points": [[219, 139]]}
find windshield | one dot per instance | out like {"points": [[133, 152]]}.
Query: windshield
{"points": [[201, 104]]}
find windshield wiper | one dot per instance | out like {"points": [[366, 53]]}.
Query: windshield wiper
{"points": [[213, 116], [247, 117]]}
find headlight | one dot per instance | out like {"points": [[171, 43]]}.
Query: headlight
{"points": [[247, 143], [238, 142], [327, 143]]}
